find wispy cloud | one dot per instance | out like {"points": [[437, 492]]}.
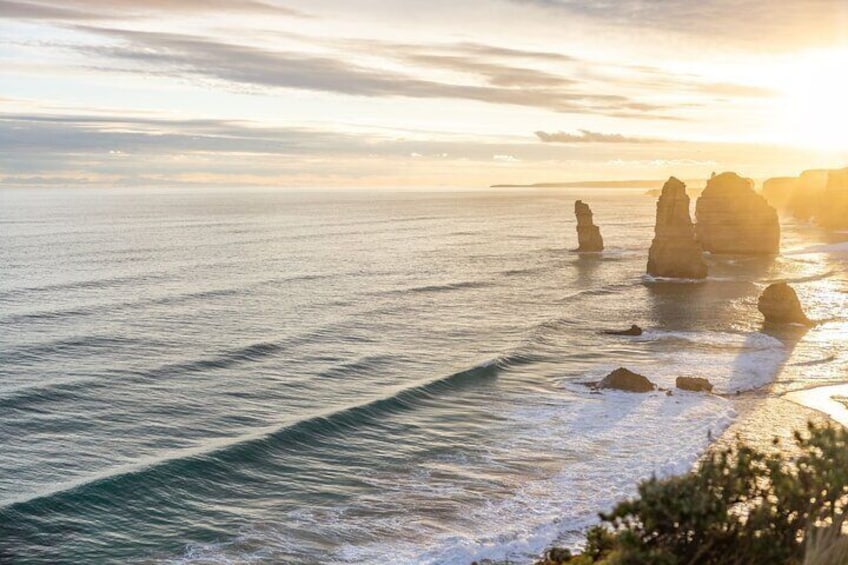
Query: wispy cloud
{"points": [[586, 136], [182, 55], [38, 134], [804, 21], [93, 10]]}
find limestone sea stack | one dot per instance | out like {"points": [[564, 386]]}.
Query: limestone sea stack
{"points": [[780, 305], [674, 252], [733, 219], [588, 234]]}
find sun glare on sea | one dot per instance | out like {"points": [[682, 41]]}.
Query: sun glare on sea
{"points": [[815, 99]]}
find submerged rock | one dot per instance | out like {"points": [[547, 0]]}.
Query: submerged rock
{"points": [[588, 234], [732, 218], [779, 304], [675, 252], [696, 384], [632, 330], [624, 379]]}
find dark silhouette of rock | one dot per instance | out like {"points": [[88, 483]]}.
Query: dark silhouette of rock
{"points": [[632, 330], [833, 214], [780, 305], [675, 252], [588, 234], [623, 379], [732, 218], [695, 384]]}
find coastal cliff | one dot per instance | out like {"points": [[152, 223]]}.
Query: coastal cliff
{"points": [[833, 214]]}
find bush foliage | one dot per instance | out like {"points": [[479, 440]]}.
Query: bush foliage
{"points": [[740, 506]]}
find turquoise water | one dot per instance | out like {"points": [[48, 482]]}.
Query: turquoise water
{"points": [[205, 376]]}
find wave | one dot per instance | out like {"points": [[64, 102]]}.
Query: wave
{"points": [[651, 279], [521, 272], [447, 287], [70, 346], [614, 288], [85, 284], [809, 278], [841, 247], [29, 398], [220, 458], [94, 309], [813, 362]]}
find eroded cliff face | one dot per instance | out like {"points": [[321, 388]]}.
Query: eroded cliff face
{"points": [[732, 218], [802, 197], [833, 212], [674, 251], [779, 190], [588, 234]]}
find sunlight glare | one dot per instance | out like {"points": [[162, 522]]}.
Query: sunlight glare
{"points": [[815, 97]]}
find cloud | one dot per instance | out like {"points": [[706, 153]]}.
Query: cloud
{"points": [[194, 56], [495, 74], [25, 10], [793, 23], [39, 135], [586, 136], [94, 10]]}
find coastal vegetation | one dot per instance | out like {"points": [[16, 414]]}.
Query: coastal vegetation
{"points": [[741, 505]]}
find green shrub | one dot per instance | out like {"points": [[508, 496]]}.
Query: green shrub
{"points": [[740, 506]]}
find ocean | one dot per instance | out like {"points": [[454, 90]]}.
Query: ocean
{"points": [[203, 376]]}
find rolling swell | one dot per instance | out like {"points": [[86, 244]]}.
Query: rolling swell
{"points": [[170, 300], [30, 397], [67, 347], [447, 287], [221, 463], [84, 284]]}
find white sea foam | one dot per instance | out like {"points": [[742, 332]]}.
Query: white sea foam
{"points": [[830, 400], [733, 362], [610, 442]]}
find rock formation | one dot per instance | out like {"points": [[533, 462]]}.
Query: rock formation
{"points": [[623, 379], [675, 252], [588, 234], [632, 330], [695, 384], [732, 218], [779, 191], [801, 196], [806, 201], [780, 305], [833, 214]]}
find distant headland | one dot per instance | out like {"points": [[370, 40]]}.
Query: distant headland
{"points": [[639, 183]]}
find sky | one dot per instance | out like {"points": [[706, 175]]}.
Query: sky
{"points": [[360, 93]]}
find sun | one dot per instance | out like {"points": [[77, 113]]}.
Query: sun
{"points": [[815, 99]]}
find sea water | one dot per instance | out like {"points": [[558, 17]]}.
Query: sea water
{"points": [[236, 376]]}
